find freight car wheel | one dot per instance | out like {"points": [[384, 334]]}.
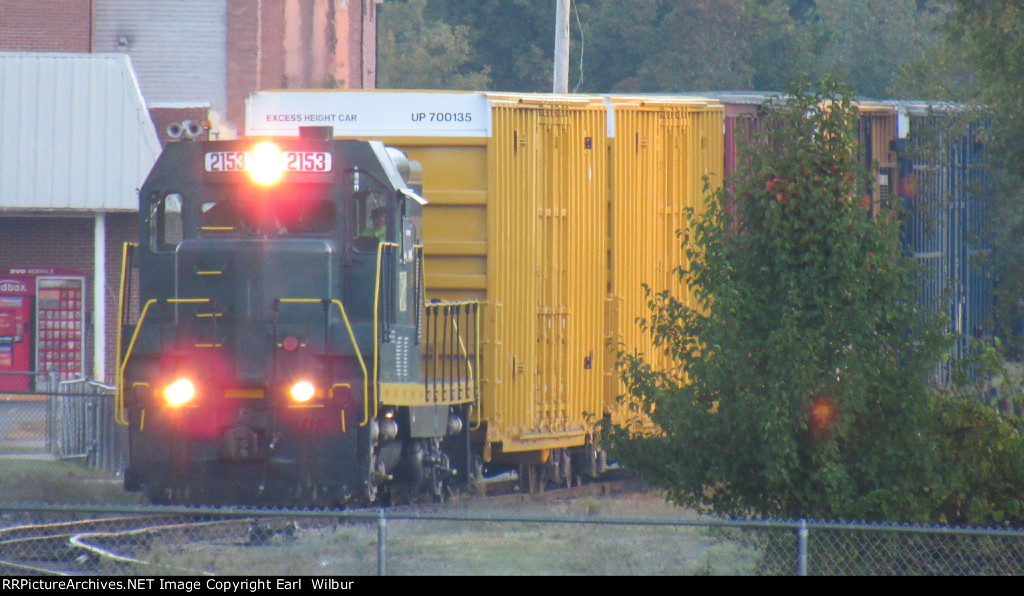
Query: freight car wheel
{"points": [[528, 479], [566, 468], [556, 472]]}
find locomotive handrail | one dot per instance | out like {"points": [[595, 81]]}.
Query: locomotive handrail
{"points": [[119, 393], [376, 323], [476, 357], [362, 363], [126, 250], [475, 365], [444, 317], [355, 346]]}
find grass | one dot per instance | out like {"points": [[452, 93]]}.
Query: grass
{"points": [[423, 547], [43, 481], [436, 547]]}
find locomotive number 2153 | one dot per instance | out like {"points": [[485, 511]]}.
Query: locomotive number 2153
{"points": [[290, 161]]}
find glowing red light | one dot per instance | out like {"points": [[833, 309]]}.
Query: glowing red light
{"points": [[822, 414]]}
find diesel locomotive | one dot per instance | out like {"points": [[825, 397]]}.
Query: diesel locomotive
{"points": [[275, 347]]}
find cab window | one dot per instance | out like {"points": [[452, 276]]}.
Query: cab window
{"points": [[372, 219], [165, 227]]}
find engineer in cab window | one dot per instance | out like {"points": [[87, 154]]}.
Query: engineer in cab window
{"points": [[378, 226]]}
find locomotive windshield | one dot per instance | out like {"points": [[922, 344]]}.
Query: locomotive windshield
{"points": [[283, 211]]}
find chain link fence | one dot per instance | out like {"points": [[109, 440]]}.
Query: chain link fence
{"points": [[460, 541], [63, 419], [830, 549], [74, 420]]}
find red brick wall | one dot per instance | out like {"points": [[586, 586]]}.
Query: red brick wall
{"points": [[59, 242], [46, 242], [253, 36], [164, 117], [46, 25], [363, 47], [246, 42], [67, 243]]}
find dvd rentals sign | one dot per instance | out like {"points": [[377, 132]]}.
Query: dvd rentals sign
{"points": [[42, 325], [15, 320]]}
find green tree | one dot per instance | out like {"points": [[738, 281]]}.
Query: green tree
{"points": [[670, 45], [702, 44], [801, 389], [416, 53], [979, 457], [615, 38], [989, 35], [866, 42], [981, 65], [667, 46], [512, 40], [781, 44]]}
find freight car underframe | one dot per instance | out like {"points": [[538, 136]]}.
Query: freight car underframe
{"points": [[550, 461]]}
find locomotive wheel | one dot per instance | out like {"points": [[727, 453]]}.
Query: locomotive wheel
{"points": [[371, 491], [434, 477], [377, 472], [417, 471], [157, 495], [437, 477]]}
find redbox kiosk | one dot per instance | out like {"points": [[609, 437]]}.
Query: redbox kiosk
{"points": [[42, 325]]}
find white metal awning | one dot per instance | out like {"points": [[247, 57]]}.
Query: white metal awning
{"points": [[75, 133]]}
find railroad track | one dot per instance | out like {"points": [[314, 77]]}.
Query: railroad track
{"points": [[47, 548], [121, 545]]}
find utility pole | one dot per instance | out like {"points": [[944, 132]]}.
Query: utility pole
{"points": [[561, 76]]}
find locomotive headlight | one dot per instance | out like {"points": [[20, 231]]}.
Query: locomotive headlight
{"points": [[266, 166], [179, 392], [302, 391]]}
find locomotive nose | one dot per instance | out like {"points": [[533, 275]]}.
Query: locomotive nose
{"points": [[244, 277]]}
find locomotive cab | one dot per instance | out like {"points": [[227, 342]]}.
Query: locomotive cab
{"points": [[273, 345]]}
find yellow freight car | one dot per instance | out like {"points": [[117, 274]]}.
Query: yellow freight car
{"points": [[551, 211], [663, 151]]}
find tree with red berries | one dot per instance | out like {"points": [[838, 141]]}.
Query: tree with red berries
{"points": [[802, 386]]}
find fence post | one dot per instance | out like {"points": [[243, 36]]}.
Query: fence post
{"points": [[92, 428], [103, 441], [52, 386], [801, 547], [382, 537]]}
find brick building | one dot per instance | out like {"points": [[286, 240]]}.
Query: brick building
{"points": [[89, 87]]}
